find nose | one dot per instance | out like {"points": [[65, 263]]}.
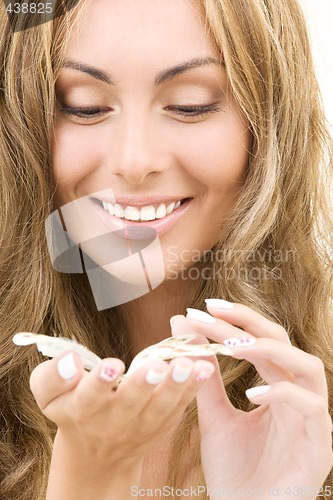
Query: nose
{"points": [[136, 150]]}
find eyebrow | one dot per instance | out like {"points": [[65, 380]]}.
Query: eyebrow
{"points": [[197, 62], [162, 77], [89, 70]]}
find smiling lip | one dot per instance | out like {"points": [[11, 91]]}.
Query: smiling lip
{"points": [[161, 226], [142, 202]]}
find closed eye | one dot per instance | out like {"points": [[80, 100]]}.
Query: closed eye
{"points": [[84, 112], [194, 110]]}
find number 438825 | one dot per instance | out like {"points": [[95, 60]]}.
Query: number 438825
{"points": [[30, 8]]}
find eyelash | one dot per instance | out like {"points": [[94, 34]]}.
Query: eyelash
{"points": [[84, 112], [194, 111], [88, 113]]}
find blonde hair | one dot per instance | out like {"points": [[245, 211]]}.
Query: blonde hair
{"points": [[282, 210]]}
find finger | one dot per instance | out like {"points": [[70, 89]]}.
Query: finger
{"points": [[313, 407], [136, 389], [203, 370], [95, 390], [249, 320], [57, 376], [170, 391], [174, 320], [213, 403], [215, 388], [268, 370], [185, 379], [308, 370], [272, 373], [180, 327], [206, 325]]}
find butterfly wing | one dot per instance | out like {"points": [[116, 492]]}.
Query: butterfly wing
{"points": [[167, 349], [52, 346]]}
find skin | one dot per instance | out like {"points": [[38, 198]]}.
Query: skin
{"points": [[139, 144], [286, 442], [105, 437], [143, 147]]}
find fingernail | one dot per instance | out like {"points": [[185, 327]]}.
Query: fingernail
{"points": [[108, 373], [174, 318], [219, 303], [200, 316], [66, 367], [239, 341], [257, 391], [181, 373], [204, 375], [154, 378]]}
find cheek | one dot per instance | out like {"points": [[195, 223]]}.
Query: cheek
{"points": [[74, 157], [218, 156]]}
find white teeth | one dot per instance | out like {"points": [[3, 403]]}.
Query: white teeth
{"points": [[161, 211], [132, 213], [119, 211], [147, 213], [110, 208], [170, 208]]}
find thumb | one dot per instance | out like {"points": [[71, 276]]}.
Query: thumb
{"points": [[212, 401]]}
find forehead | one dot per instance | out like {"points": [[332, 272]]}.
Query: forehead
{"points": [[124, 31]]}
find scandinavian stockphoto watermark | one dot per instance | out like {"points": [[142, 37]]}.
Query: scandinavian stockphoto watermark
{"points": [[24, 15], [227, 265]]}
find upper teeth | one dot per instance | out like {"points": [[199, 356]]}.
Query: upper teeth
{"points": [[144, 214]]}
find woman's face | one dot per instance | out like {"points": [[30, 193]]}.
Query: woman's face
{"points": [[145, 112]]}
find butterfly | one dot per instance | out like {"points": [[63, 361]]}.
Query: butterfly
{"points": [[167, 349]]}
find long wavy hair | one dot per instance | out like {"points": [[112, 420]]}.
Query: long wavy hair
{"points": [[276, 245]]}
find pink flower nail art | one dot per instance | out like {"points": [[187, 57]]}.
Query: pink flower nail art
{"points": [[239, 341], [109, 374]]}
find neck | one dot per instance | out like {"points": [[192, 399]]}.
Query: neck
{"points": [[147, 318]]}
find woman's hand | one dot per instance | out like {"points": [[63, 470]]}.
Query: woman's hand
{"points": [[104, 434], [283, 447]]}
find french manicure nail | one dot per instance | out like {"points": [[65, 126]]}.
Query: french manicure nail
{"points": [[181, 373], [108, 373], [200, 316], [66, 367], [239, 341], [219, 303], [257, 391], [154, 378], [174, 318]]}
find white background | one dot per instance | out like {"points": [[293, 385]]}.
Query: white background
{"points": [[319, 14]]}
